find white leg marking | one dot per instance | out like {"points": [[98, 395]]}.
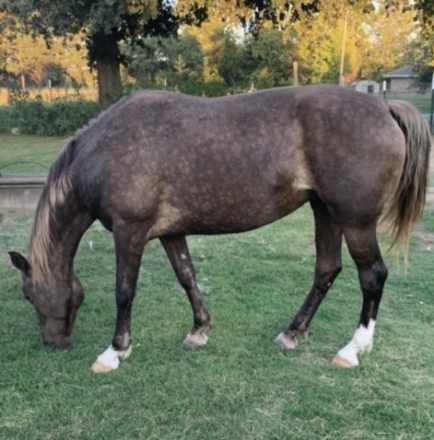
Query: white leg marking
{"points": [[109, 360], [362, 342]]}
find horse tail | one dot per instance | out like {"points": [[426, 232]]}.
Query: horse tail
{"points": [[407, 204]]}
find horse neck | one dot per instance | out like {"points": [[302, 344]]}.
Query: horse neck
{"points": [[55, 237]]}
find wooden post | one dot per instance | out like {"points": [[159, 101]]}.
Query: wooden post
{"points": [[295, 73], [23, 77], [344, 42], [49, 89]]}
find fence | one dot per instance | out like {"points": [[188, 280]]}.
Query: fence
{"points": [[422, 99]]}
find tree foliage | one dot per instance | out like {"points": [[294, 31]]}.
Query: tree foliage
{"points": [[103, 23], [165, 61], [147, 37], [34, 64], [426, 10], [107, 23]]}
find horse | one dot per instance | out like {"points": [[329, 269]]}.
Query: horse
{"points": [[166, 165]]}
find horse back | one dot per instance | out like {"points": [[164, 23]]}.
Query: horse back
{"points": [[201, 165]]}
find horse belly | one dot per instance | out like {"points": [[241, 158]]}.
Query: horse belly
{"points": [[217, 214]]}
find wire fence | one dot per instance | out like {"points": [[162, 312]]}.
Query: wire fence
{"points": [[423, 100]]}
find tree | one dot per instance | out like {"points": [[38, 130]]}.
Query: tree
{"points": [[232, 61], [420, 52], [426, 10], [103, 24], [274, 57], [33, 63], [106, 23], [387, 34], [167, 61]]}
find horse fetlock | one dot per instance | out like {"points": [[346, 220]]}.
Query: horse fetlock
{"points": [[202, 320]]}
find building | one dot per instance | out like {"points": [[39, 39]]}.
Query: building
{"points": [[366, 86], [401, 80]]}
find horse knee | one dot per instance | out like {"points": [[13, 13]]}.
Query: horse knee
{"points": [[327, 273], [372, 280]]}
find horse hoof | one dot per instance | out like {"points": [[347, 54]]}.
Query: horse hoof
{"points": [[341, 362], [286, 342], [195, 340], [99, 367]]}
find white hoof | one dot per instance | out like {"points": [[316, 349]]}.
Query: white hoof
{"points": [[286, 342], [346, 357], [109, 360], [195, 340], [99, 367], [341, 362]]}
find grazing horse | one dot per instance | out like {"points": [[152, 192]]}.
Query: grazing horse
{"points": [[165, 165]]}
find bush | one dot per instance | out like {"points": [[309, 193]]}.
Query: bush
{"points": [[34, 116], [5, 119], [202, 88]]}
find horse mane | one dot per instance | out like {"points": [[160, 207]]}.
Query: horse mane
{"points": [[56, 189]]}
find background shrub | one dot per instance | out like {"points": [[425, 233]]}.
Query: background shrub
{"points": [[5, 119], [61, 117]]}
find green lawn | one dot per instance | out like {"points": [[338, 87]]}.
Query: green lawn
{"points": [[240, 386], [419, 100], [26, 149]]}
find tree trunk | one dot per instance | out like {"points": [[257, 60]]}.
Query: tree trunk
{"points": [[104, 54], [109, 82]]}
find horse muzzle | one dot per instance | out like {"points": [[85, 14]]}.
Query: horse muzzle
{"points": [[54, 333], [57, 342]]}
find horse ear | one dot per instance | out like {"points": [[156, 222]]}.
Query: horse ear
{"points": [[20, 262]]}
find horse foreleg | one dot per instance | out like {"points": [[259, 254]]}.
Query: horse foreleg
{"points": [[328, 242], [177, 251], [363, 247], [129, 243]]}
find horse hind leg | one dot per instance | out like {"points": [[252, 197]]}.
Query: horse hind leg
{"points": [[363, 246], [177, 251], [328, 242]]}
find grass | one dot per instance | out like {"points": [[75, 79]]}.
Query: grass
{"points": [[240, 386], [421, 101], [18, 151]]}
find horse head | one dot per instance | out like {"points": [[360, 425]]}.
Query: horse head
{"points": [[55, 299]]}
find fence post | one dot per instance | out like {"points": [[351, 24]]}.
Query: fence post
{"points": [[295, 73], [432, 105]]}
